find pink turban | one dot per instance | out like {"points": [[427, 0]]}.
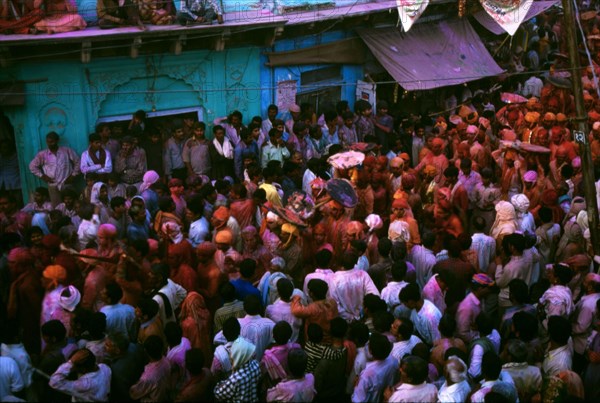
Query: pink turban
{"points": [[107, 230], [530, 176], [576, 163], [374, 222], [471, 129]]}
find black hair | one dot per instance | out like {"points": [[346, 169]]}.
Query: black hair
{"points": [[338, 327], [410, 292], [173, 333], [54, 329], [194, 361], [282, 332], [323, 258], [491, 365], [382, 320], [451, 171], [231, 329], [113, 292], [154, 347], [120, 340], [359, 333], [416, 368], [318, 288], [97, 325], [149, 307], [526, 326], [227, 291], [518, 290], [314, 333], [447, 325], [252, 305], [297, 361], [117, 201], [384, 247], [285, 289], [349, 260], [563, 273], [399, 269], [248, 268], [484, 324], [559, 329], [406, 328], [379, 346]]}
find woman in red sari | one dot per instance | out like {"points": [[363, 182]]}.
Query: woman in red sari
{"points": [[196, 323]]}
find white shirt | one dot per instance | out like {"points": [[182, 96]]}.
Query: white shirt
{"points": [[404, 347], [533, 87], [348, 288], [10, 377], [485, 246], [88, 231], [423, 259], [390, 294], [199, 231], [434, 293], [457, 392], [557, 360], [280, 310], [176, 294], [426, 321], [425, 393], [257, 330], [93, 386], [18, 353], [582, 321], [321, 274], [87, 165], [360, 362]]}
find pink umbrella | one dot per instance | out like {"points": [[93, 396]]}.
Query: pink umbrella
{"points": [[348, 159]]}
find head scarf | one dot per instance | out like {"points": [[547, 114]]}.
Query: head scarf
{"points": [[400, 204], [382, 160], [430, 170], [173, 231], [471, 129], [206, 249], [369, 161], [374, 222], [221, 214], [150, 178], [242, 351], [549, 197], [56, 273], [577, 205], [354, 227], [107, 230], [437, 142], [396, 162], [582, 220], [21, 256], [193, 306], [69, 298], [52, 243], [530, 176], [398, 231], [183, 251], [408, 181], [520, 202], [224, 236], [279, 262], [505, 222], [95, 195], [576, 163], [272, 217]]}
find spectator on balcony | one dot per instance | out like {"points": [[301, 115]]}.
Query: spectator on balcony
{"points": [[199, 12], [114, 13]]}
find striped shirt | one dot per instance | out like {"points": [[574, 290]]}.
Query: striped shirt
{"points": [[233, 309]]}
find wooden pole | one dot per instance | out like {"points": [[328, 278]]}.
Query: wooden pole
{"points": [[581, 134]]}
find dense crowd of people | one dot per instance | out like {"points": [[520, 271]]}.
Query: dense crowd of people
{"points": [[455, 265]]}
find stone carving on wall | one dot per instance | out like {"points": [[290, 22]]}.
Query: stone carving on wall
{"points": [[237, 95], [53, 118], [103, 82]]}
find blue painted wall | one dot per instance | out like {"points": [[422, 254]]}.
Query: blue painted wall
{"points": [[74, 95], [271, 76]]}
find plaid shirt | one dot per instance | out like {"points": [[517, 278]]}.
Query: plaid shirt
{"points": [[241, 386]]}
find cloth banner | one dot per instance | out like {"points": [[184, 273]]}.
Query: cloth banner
{"points": [[286, 94], [366, 91], [431, 55], [507, 13], [409, 11]]}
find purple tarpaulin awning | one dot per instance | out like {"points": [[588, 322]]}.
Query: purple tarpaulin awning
{"points": [[488, 22], [431, 55]]}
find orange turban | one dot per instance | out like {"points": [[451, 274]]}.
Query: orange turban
{"points": [[225, 236], [56, 273], [221, 214]]}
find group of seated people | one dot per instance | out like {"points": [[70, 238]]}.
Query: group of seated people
{"points": [[58, 16]]}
